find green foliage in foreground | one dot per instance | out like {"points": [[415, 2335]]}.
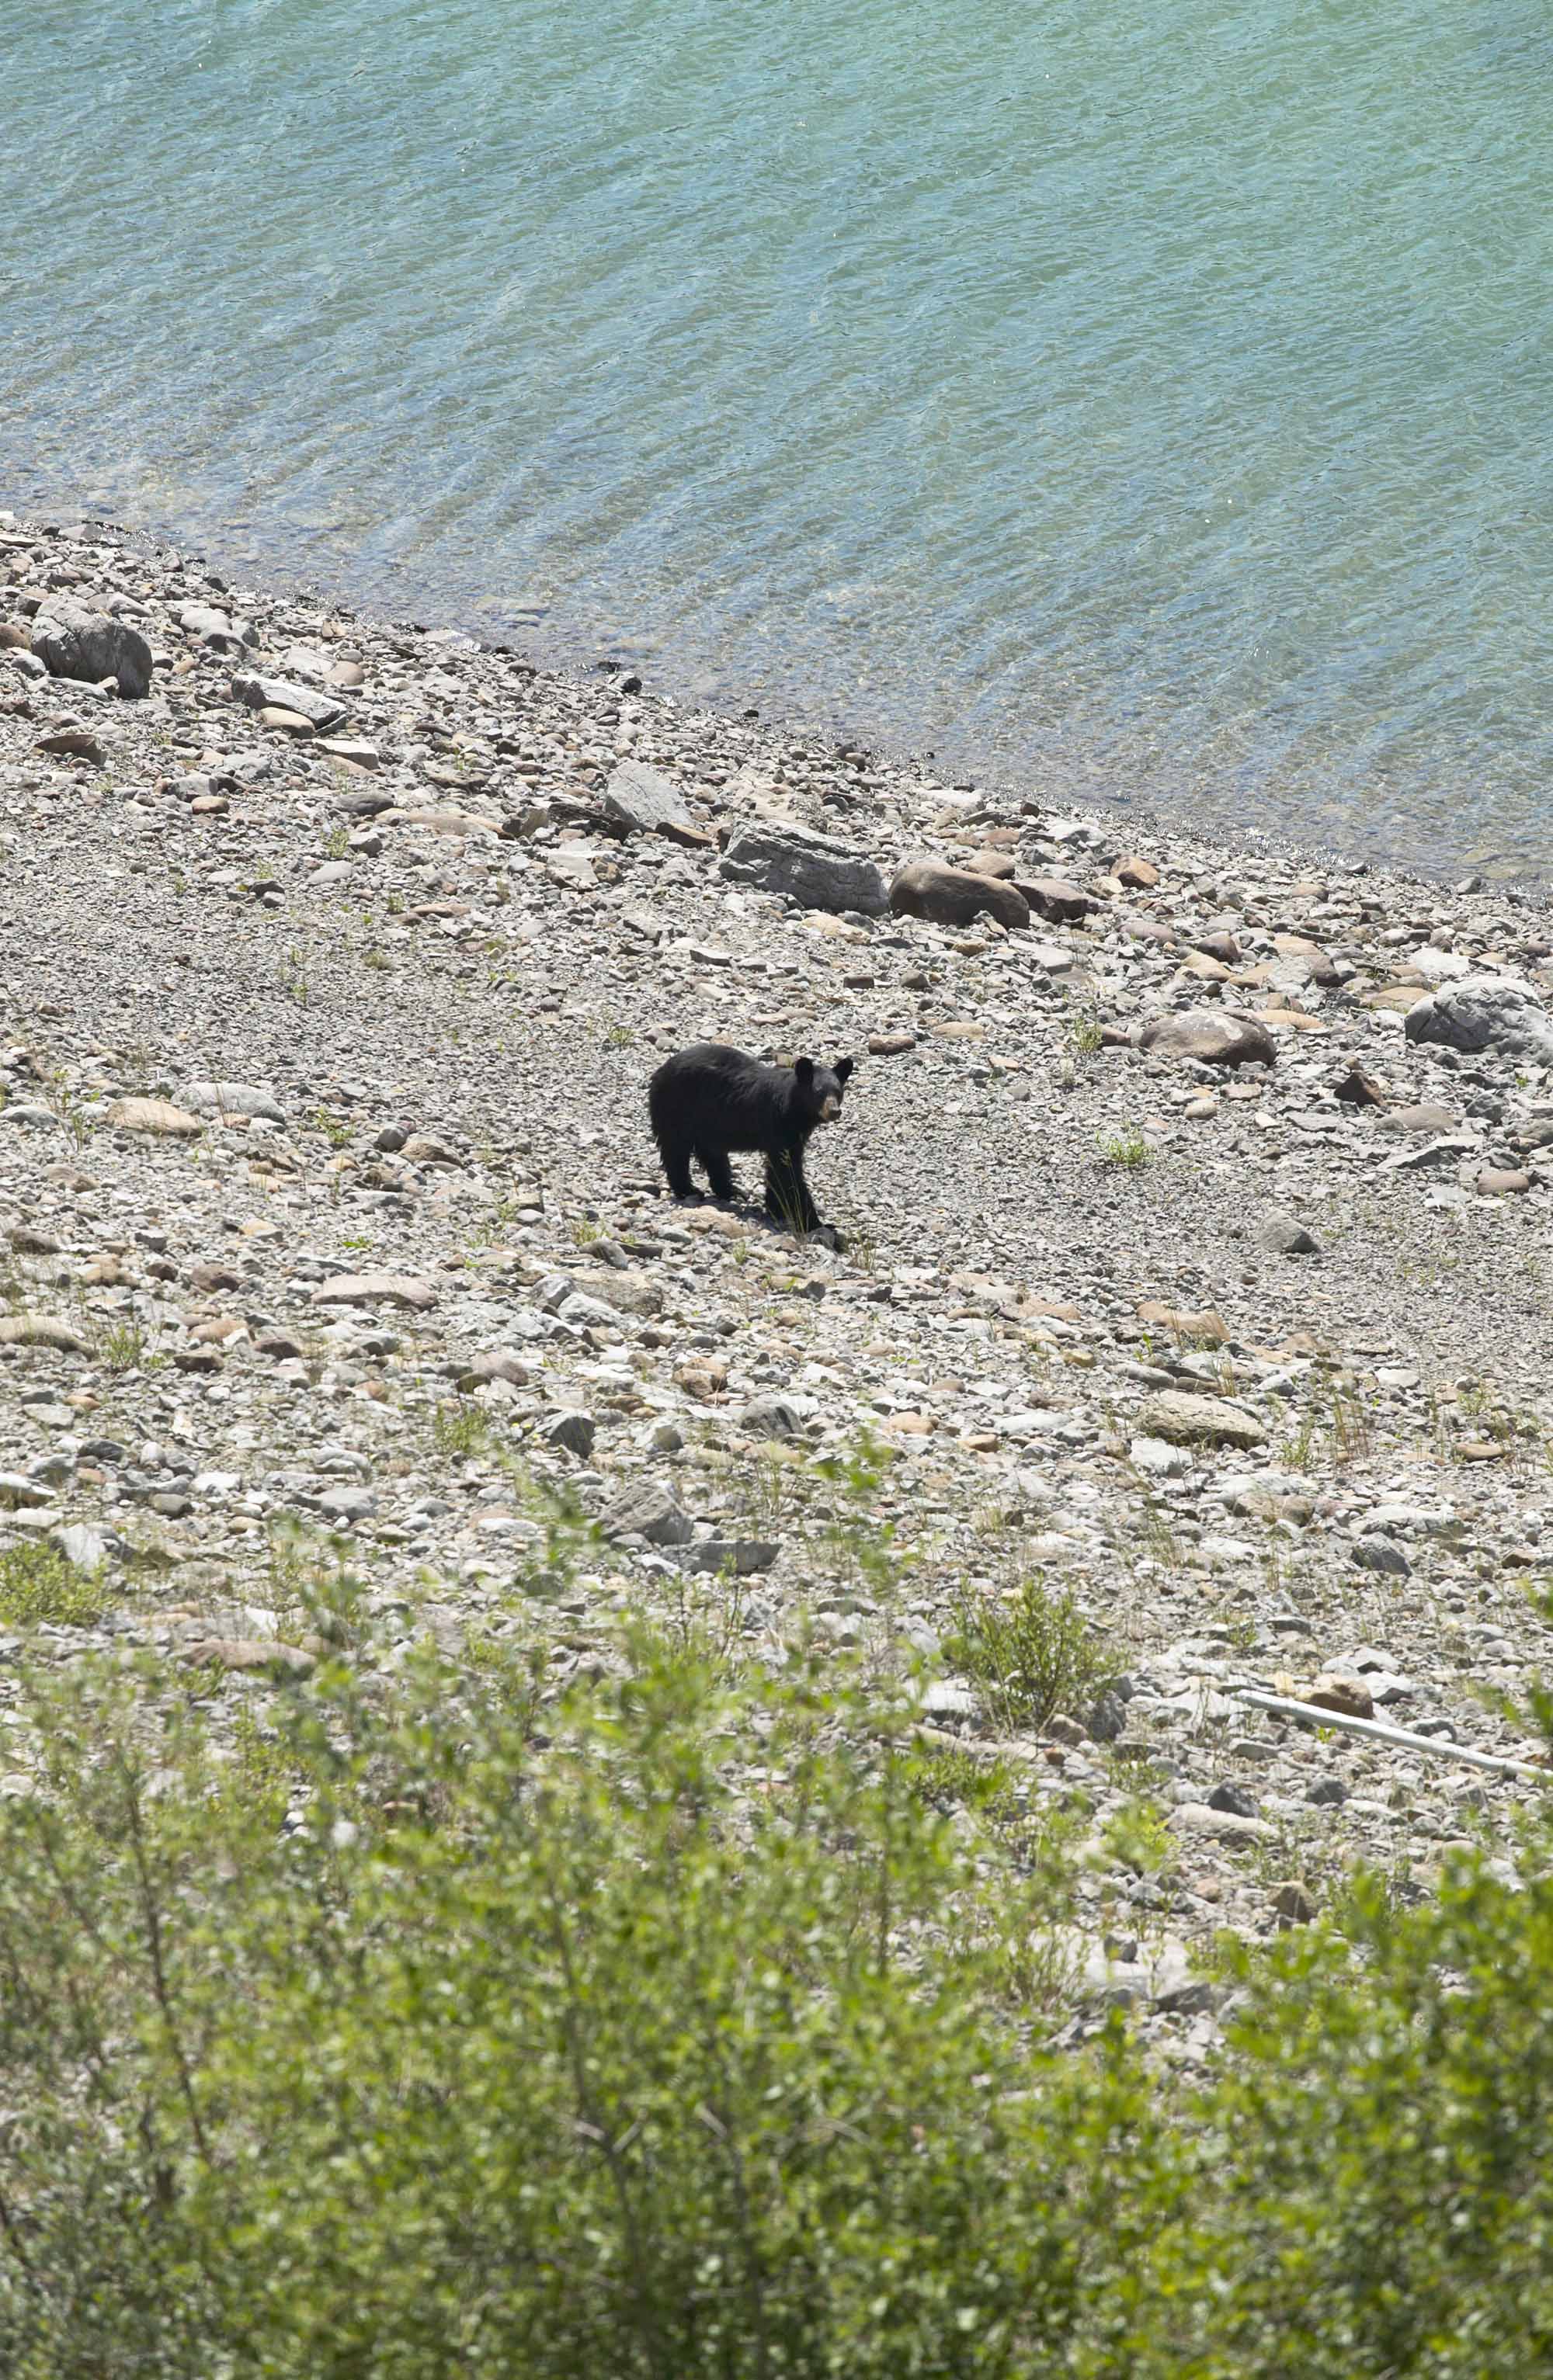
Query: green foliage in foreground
{"points": [[676, 2031]]}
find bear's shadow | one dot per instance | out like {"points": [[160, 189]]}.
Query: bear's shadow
{"points": [[750, 1210]]}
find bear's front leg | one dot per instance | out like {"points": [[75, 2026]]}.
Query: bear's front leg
{"points": [[786, 1193]]}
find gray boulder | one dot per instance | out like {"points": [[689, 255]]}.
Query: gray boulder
{"points": [[498, 1364], [1055, 899], [1187, 1420], [1283, 1234], [239, 1100], [643, 801], [646, 1508], [94, 648], [735, 1556], [1482, 1012], [210, 626], [1380, 1554], [773, 1417], [1433, 1156], [572, 1430], [807, 868], [953, 897]]}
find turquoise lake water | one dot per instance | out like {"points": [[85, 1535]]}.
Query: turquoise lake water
{"points": [[1130, 399]]}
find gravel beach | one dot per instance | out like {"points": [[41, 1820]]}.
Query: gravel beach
{"points": [[1194, 1205]]}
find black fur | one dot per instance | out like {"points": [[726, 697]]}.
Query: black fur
{"points": [[710, 1100]]}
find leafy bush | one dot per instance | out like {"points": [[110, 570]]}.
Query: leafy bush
{"points": [[1127, 1148], [1366, 2189], [1033, 1651], [677, 2039], [428, 2028], [37, 1583], [459, 1429]]}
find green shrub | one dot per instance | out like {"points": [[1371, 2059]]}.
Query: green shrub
{"points": [[1366, 2189], [678, 2040], [124, 1347], [1033, 1652], [681, 2028], [37, 1584], [459, 1429], [1127, 1148]]}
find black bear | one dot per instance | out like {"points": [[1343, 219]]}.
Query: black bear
{"points": [[707, 1102]]}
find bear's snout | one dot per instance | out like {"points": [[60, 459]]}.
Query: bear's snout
{"points": [[831, 1109]]}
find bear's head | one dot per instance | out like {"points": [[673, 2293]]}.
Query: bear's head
{"points": [[821, 1088]]}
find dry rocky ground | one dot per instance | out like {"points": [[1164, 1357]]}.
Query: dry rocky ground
{"points": [[1195, 1205]]}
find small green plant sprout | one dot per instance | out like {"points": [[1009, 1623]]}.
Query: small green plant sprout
{"points": [[1083, 1032], [1298, 1449], [768, 1490], [858, 1547], [124, 1347], [862, 1249], [1126, 1148], [1154, 1540], [460, 1430], [1353, 1436], [950, 1776], [1137, 1837], [77, 1120], [261, 1777], [313, 1590]]}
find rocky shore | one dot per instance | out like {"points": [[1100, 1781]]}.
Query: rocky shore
{"points": [[1195, 1207]]}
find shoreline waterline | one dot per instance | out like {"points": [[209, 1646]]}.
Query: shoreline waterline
{"points": [[1210, 814]]}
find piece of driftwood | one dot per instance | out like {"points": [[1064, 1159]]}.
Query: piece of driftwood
{"points": [[1376, 1731]]}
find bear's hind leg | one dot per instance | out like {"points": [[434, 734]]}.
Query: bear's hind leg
{"points": [[720, 1172], [676, 1155]]}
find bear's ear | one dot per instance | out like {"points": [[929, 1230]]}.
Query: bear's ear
{"points": [[804, 1069], [844, 1069]]}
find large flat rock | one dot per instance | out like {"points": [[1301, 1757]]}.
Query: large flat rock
{"points": [[320, 711], [375, 1289], [806, 868]]}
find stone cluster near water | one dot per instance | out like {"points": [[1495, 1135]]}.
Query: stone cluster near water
{"points": [[1197, 1205]]}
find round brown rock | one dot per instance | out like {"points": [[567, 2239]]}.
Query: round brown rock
{"points": [[1055, 899], [1214, 1036], [953, 897]]}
